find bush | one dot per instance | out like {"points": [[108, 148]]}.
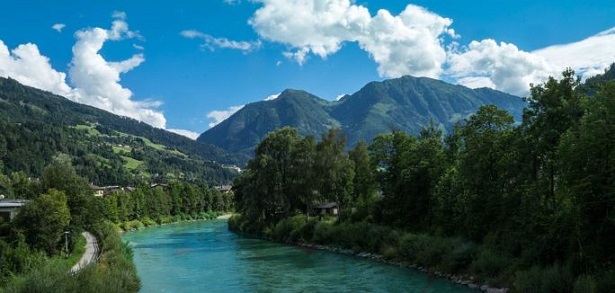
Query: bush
{"points": [[490, 263], [460, 257], [552, 279], [323, 233], [148, 222], [115, 273], [585, 284], [605, 281]]}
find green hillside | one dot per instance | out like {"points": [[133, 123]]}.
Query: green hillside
{"points": [[105, 148]]}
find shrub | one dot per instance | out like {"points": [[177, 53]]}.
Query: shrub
{"points": [[489, 263], [148, 222], [585, 284], [529, 280], [605, 281], [323, 233], [552, 279], [460, 257]]}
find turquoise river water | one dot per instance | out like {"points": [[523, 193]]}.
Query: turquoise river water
{"points": [[206, 257]]}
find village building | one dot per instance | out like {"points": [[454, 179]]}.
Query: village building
{"points": [[101, 191], [329, 208], [9, 208], [224, 188]]}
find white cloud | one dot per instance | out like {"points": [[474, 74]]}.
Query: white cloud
{"points": [[272, 97], [587, 57], [505, 67], [501, 66], [26, 65], [187, 133], [413, 42], [408, 43], [97, 80], [58, 27], [221, 115], [232, 2], [340, 96], [212, 43]]}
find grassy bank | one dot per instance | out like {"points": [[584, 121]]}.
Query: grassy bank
{"points": [[148, 222], [115, 271], [455, 258]]}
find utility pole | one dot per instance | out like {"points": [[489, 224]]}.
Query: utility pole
{"points": [[66, 242]]}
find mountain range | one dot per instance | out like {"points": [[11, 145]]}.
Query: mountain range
{"points": [[406, 104]]}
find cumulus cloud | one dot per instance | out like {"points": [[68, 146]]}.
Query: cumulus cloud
{"points": [[414, 42], [187, 133], [498, 65], [212, 43], [97, 80], [26, 65], [221, 115], [408, 43], [505, 67], [232, 2], [58, 27]]}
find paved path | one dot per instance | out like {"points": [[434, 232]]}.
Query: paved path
{"points": [[90, 254]]}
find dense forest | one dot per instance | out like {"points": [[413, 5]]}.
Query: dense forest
{"points": [[107, 149], [527, 205], [32, 246]]}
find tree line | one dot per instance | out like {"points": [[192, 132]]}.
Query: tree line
{"points": [[63, 202], [537, 196]]}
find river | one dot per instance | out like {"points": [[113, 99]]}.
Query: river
{"points": [[206, 257]]}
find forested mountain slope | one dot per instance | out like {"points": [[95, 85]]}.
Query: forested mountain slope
{"points": [[406, 104], [107, 149]]}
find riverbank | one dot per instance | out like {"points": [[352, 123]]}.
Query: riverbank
{"points": [[135, 225], [457, 260], [463, 280]]}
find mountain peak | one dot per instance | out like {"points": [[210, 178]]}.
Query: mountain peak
{"points": [[406, 103]]}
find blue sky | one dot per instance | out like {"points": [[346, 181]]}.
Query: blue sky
{"points": [[185, 65]]}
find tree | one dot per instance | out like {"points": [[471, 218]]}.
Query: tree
{"points": [[334, 168], [481, 168], [43, 220], [364, 183], [587, 156], [61, 175], [554, 107]]}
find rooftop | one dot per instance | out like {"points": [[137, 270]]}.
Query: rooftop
{"points": [[12, 203]]}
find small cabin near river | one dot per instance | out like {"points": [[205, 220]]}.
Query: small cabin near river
{"points": [[330, 208]]}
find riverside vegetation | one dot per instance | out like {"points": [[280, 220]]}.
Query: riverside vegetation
{"points": [[32, 257], [528, 206]]}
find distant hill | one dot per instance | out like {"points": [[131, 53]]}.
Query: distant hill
{"points": [[106, 148], [407, 104], [245, 129]]}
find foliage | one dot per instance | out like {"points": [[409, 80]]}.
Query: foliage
{"points": [[43, 221], [526, 205], [89, 136], [115, 274]]}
